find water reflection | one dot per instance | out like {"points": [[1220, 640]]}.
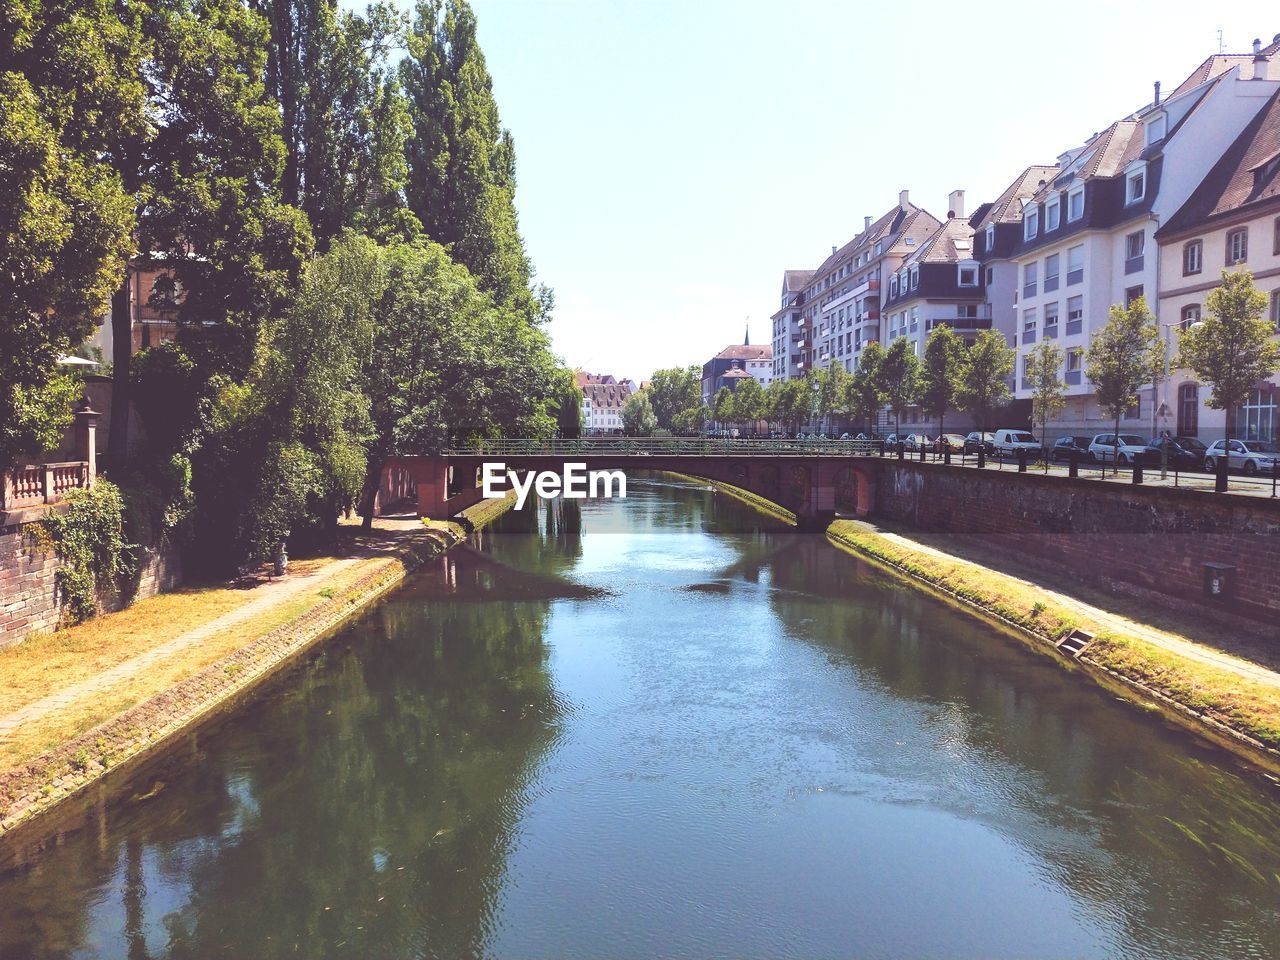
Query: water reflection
{"points": [[665, 727]]}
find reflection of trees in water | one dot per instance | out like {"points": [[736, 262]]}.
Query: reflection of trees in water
{"points": [[1189, 848], [546, 536], [365, 809]]}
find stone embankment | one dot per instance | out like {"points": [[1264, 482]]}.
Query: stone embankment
{"points": [[144, 728]]}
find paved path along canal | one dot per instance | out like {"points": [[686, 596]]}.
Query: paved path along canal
{"points": [[743, 742]]}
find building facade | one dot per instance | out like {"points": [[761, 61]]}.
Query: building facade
{"points": [[602, 400], [755, 361]]}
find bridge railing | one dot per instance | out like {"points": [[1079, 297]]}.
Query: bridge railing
{"points": [[667, 447]]}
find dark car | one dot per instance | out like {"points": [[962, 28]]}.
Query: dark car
{"points": [[976, 440], [1184, 453], [1064, 448]]}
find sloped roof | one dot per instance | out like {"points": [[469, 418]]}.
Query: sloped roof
{"points": [[607, 395], [1247, 173], [742, 351], [1212, 66], [796, 280], [1008, 207], [950, 243], [893, 221]]}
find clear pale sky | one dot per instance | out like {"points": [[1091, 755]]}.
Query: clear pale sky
{"points": [[675, 156]]}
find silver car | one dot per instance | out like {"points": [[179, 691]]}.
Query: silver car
{"points": [[1251, 456]]}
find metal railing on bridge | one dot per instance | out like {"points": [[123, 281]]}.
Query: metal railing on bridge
{"points": [[667, 447]]}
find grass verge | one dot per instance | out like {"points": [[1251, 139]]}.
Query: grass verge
{"points": [[1216, 699]]}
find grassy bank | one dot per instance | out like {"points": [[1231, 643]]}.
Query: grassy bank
{"points": [[65, 748], [1238, 711]]}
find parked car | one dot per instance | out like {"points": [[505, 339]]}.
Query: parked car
{"points": [[891, 441], [1184, 453], [949, 441], [915, 442], [1251, 456], [1007, 443], [1129, 448], [1067, 448], [980, 441]]}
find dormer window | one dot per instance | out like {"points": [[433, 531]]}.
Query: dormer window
{"points": [[915, 277], [1052, 214], [968, 275], [1031, 222], [1075, 204], [1135, 187], [893, 286], [1156, 128], [991, 237]]}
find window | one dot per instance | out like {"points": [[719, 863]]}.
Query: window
{"points": [[1132, 294], [1188, 409], [991, 272], [968, 276], [915, 319], [1051, 320], [1051, 272], [1275, 308], [1029, 277], [1075, 204], [1075, 264], [1075, 315], [1031, 222], [1192, 257], [1238, 246], [1029, 326], [1156, 127], [1255, 420], [1275, 243], [1052, 214], [1135, 186], [893, 286], [1190, 315], [915, 277], [991, 235], [1135, 245], [1075, 359]]}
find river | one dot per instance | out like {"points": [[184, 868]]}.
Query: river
{"points": [[661, 727]]}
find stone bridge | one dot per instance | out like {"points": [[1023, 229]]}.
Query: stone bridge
{"points": [[813, 479]]}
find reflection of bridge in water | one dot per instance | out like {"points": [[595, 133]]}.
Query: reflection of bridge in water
{"points": [[813, 479]]}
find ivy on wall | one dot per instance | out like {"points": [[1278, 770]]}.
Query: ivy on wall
{"points": [[88, 538]]}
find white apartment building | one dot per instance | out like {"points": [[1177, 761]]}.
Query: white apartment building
{"points": [[1088, 234], [1230, 222], [602, 400]]}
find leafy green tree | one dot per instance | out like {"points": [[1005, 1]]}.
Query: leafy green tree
{"points": [[939, 372], [567, 405], [723, 409], [673, 391], [70, 97], [638, 419], [790, 402], [1048, 392], [863, 398], [832, 385], [749, 401], [461, 161], [690, 421], [983, 382], [344, 120], [899, 377], [1119, 359], [1233, 348]]}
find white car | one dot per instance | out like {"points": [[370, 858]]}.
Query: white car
{"points": [[1104, 448], [1007, 443], [1251, 456]]}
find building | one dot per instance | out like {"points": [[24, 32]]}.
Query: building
{"points": [[1086, 232], [154, 299], [1231, 221], [837, 310], [602, 400], [756, 361]]}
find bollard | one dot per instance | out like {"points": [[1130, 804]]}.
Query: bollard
{"points": [[1022, 459], [922, 453], [902, 450], [1137, 471], [982, 456], [1220, 478], [946, 457], [1073, 464]]}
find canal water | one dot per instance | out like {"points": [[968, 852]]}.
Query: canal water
{"points": [[656, 727]]}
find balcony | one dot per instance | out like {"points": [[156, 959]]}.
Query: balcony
{"points": [[1134, 264], [959, 323]]}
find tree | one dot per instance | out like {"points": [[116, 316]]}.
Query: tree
{"points": [[461, 161], [673, 391], [567, 405], [863, 398], [722, 408], [832, 385], [638, 419], [943, 357], [983, 383], [899, 377], [790, 402], [1119, 359], [1233, 348], [1048, 392], [692, 420], [70, 95], [749, 401]]}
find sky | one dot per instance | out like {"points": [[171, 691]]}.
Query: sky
{"points": [[673, 158]]}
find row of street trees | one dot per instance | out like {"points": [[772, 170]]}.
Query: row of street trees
{"points": [[328, 200]]}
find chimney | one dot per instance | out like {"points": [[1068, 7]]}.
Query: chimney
{"points": [[902, 199], [1260, 64], [955, 204], [833, 249], [1156, 101], [866, 224]]}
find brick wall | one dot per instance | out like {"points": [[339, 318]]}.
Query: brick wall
{"points": [[29, 599], [1152, 540]]}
